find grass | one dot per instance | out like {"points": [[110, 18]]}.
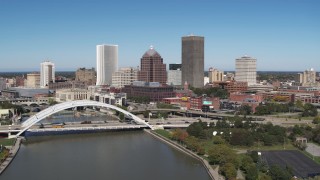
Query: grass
{"points": [[314, 158], [7, 142], [163, 133]]}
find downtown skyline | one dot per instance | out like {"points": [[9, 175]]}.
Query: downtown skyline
{"points": [[283, 36]]}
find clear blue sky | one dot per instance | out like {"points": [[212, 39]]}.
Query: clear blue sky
{"points": [[281, 34]]}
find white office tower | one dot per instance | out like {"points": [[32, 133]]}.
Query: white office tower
{"points": [[47, 73], [246, 70], [107, 63]]}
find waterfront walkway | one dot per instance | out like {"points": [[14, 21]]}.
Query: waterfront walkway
{"points": [[213, 173], [12, 153]]}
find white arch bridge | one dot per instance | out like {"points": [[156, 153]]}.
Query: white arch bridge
{"points": [[71, 104]]}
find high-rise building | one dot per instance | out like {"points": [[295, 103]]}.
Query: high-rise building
{"points": [[152, 68], [3, 83], [246, 70], [107, 63], [86, 75], [193, 60], [215, 75], [125, 76], [33, 80], [174, 75], [308, 78], [47, 73]]}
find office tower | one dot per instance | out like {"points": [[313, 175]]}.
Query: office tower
{"points": [[107, 63], [86, 75], [125, 76], [215, 75], [246, 70], [3, 83], [47, 73], [174, 75], [152, 68], [308, 78], [33, 80], [193, 60]]}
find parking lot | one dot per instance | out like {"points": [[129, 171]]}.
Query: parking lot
{"points": [[301, 165]]}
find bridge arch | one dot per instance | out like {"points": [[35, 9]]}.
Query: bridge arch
{"points": [[71, 104]]}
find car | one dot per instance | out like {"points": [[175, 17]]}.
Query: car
{"points": [[169, 123], [187, 122]]}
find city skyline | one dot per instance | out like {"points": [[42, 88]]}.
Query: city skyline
{"points": [[276, 33]]}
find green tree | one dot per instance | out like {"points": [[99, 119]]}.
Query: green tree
{"points": [[245, 110], [121, 116], [252, 172], [51, 101], [192, 143], [195, 129], [229, 171], [316, 120], [309, 110], [221, 154], [218, 140], [241, 137], [276, 172]]}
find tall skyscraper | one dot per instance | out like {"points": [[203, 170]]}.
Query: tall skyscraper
{"points": [[174, 75], [47, 73], [152, 68], [193, 60], [246, 70], [107, 63]]}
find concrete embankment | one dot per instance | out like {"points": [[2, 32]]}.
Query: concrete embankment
{"points": [[212, 173], [12, 153]]}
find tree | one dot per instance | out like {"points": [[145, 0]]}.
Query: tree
{"points": [[229, 171], [179, 135], [195, 129], [252, 172], [221, 154], [241, 137], [276, 172], [218, 140], [51, 101], [245, 110], [309, 110], [121, 116], [246, 161], [316, 120], [192, 143]]}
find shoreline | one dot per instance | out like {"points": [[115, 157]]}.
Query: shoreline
{"points": [[212, 173], [12, 154]]}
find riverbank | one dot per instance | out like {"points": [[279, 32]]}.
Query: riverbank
{"points": [[12, 153], [212, 173]]}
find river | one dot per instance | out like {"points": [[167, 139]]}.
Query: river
{"points": [[133, 155]]}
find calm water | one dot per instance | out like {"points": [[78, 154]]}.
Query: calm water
{"points": [[108, 156]]}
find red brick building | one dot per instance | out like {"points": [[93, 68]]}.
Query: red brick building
{"points": [[242, 97], [152, 68], [231, 86], [155, 93]]}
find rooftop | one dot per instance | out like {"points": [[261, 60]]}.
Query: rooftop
{"points": [[151, 53]]}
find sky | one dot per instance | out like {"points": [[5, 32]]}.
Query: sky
{"points": [[284, 35]]}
